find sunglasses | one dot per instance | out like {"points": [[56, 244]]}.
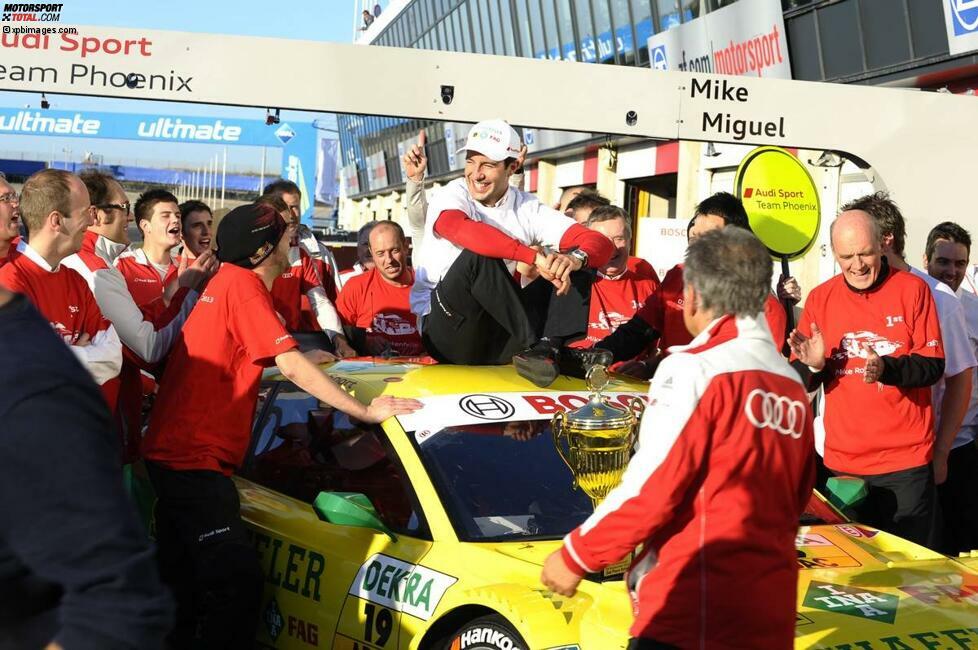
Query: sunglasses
{"points": [[125, 207]]}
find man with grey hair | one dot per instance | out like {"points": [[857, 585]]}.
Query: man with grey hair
{"points": [[721, 474], [870, 337]]}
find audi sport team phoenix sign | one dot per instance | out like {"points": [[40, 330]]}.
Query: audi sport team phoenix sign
{"points": [[82, 73]]}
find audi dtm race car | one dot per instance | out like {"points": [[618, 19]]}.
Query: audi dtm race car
{"points": [[429, 532]]}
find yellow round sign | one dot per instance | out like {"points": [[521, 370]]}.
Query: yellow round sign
{"points": [[781, 201]]}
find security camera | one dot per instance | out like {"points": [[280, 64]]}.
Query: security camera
{"points": [[45, 104], [272, 118], [132, 80], [447, 94], [631, 118]]}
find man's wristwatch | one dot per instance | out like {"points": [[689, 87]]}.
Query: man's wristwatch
{"points": [[578, 254]]}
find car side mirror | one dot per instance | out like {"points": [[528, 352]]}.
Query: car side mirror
{"points": [[846, 492], [350, 509]]}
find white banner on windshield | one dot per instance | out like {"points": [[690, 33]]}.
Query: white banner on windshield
{"points": [[485, 408]]}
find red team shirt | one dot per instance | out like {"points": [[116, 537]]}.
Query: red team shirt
{"points": [[288, 289], [613, 303], [203, 413], [63, 297], [146, 286], [368, 301], [664, 312], [642, 269], [713, 495], [142, 278], [872, 428]]}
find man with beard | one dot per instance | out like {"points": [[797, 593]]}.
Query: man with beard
{"points": [[946, 259], [375, 305], [192, 447]]}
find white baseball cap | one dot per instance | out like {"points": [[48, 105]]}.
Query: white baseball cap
{"points": [[495, 139]]}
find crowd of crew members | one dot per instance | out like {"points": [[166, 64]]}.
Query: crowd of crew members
{"points": [[906, 422]]}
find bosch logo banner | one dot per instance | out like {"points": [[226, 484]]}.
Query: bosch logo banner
{"points": [[772, 411], [487, 407]]}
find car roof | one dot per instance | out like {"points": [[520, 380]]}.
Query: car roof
{"points": [[417, 380]]}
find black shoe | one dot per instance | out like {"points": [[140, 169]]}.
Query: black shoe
{"points": [[537, 363], [576, 362]]}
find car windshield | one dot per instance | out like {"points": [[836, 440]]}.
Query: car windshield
{"points": [[502, 481], [505, 481]]}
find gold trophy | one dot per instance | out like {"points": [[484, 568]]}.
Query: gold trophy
{"points": [[599, 438]]}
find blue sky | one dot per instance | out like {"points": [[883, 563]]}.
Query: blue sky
{"points": [[315, 20]]}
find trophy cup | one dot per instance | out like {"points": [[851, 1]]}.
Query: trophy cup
{"points": [[599, 438]]}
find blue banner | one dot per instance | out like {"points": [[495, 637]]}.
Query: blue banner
{"points": [[298, 140], [127, 126]]}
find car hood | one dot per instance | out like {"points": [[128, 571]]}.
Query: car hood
{"points": [[860, 587], [857, 588]]}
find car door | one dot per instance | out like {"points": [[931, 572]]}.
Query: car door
{"points": [[328, 585]]}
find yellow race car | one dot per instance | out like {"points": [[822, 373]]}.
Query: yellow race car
{"points": [[430, 531]]}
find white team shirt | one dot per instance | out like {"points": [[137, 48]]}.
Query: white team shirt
{"points": [[959, 355], [518, 214], [969, 426]]}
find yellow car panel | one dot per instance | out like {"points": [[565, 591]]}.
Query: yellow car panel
{"points": [[358, 588]]}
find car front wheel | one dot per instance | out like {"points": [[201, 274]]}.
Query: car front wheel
{"points": [[486, 633]]}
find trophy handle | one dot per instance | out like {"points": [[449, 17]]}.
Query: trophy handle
{"points": [[637, 407], [557, 425]]}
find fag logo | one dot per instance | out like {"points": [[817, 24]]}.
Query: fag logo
{"points": [[748, 192]]}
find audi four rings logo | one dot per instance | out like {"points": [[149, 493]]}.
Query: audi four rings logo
{"points": [[772, 411]]}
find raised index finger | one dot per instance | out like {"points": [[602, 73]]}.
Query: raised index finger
{"points": [[422, 138]]}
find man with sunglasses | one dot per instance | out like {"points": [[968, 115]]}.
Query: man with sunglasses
{"points": [[146, 341], [9, 218], [57, 210]]}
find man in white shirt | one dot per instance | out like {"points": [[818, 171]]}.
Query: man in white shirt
{"points": [[946, 258], [477, 229]]}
